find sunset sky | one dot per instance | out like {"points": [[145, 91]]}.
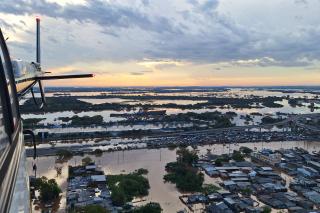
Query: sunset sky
{"points": [[170, 42]]}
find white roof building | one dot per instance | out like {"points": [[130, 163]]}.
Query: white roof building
{"points": [[98, 178], [90, 167]]}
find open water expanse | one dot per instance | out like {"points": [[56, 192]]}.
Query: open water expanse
{"points": [[52, 119]]}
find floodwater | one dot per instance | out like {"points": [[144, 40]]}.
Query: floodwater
{"points": [[134, 102], [52, 119], [104, 144], [110, 128], [154, 160], [107, 100]]}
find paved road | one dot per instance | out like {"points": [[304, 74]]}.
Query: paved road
{"points": [[296, 118], [293, 118]]}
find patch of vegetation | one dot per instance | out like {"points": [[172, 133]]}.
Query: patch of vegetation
{"points": [[72, 103], [209, 189], [64, 154], [246, 191], [186, 177], [142, 171], [270, 120], [49, 189], [218, 162], [245, 150], [187, 157], [83, 121], [231, 114], [294, 102], [224, 158], [94, 209], [270, 102], [98, 152], [256, 114], [222, 122], [148, 208], [172, 146], [125, 187], [31, 122], [237, 156], [246, 117], [266, 209], [86, 161]]}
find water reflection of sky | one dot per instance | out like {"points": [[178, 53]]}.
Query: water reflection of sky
{"points": [[52, 118], [134, 102]]}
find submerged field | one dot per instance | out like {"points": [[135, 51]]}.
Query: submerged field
{"points": [[142, 121], [126, 109]]}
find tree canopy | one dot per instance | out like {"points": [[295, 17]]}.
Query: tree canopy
{"points": [[86, 161], [125, 187], [181, 172], [148, 208], [187, 157], [49, 189], [94, 209]]}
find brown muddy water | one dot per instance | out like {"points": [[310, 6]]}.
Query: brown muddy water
{"points": [[152, 159]]}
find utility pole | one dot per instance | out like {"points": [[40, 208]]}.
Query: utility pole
{"points": [[34, 167]]}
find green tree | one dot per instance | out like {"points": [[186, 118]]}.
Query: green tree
{"points": [[118, 197], [237, 156], [246, 191], [210, 188], [186, 156], [182, 173], [245, 150], [218, 162], [94, 209], [125, 187], [142, 171], [148, 208], [98, 152], [190, 181], [86, 161], [64, 154], [270, 120], [266, 209], [49, 189], [172, 146]]}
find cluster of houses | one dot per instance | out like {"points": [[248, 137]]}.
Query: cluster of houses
{"points": [[222, 201], [281, 179], [87, 185], [304, 167]]}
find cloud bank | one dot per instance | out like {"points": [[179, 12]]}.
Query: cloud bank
{"points": [[250, 33]]}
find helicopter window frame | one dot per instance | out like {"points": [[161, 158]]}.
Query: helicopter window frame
{"points": [[5, 138], [9, 89], [11, 122]]}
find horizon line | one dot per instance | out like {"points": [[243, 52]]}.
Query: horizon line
{"points": [[224, 86]]}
